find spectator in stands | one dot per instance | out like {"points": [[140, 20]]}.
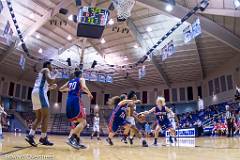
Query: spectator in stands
{"points": [[200, 103]]}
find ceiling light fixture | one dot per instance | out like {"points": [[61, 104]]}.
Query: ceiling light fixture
{"points": [[103, 41], [70, 17], [111, 22], [69, 37], [37, 36], [149, 29], [169, 8], [40, 50]]}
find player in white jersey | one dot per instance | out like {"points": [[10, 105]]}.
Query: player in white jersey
{"points": [[1, 112], [40, 102], [96, 126], [172, 119]]}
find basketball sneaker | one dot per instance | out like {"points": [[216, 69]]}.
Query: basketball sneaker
{"points": [[170, 139], [155, 142], [144, 143], [109, 141], [73, 143], [124, 140], [30, 140], [45, 141], [131, 141]]}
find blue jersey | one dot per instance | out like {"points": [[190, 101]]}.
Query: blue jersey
{"points": [[161, 114], [162, 117], [118, 118], [74, 87]]}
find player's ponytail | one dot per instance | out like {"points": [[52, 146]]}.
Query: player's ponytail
{"points": [[114, 101]]}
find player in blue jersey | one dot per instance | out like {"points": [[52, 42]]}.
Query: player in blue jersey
{"points": [[118, 117], [161, 112], [74, 107]]}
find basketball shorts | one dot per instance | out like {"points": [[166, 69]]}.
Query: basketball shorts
{"points": [[131, 120], [116, 123], [39, 99], [74, 109], [96, 128], [165, 124]]}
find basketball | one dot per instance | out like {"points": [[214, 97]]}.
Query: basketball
{"points": [[141, 118]]}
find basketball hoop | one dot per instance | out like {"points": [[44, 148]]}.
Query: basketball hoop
{"points": [[124, 8]]}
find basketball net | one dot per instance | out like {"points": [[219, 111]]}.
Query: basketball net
{"points": [[124, 8]]}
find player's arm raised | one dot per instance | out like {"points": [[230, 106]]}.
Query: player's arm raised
{"points": [[85, 88]]}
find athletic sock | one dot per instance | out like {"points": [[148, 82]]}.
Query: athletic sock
{"points": [[43, 135], [32, 132]]}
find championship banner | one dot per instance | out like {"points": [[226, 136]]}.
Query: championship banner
{"points": [[93, 76], [22, 61], [196, 28], [1, 6], [86, 76], [168, 50], [7, 28], [181, 133], [187, 32], [109, 79], [141, 72], [192, 31], [101, 78]]}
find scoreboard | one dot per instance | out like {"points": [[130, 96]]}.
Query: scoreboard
{"points": [[93, 16], [92, 22]]}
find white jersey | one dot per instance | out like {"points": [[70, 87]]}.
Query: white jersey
{"points": [[96, 123], [172, 120], [41, 81], [40, 89]]}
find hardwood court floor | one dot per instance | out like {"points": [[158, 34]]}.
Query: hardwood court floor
{"points": [[221, 148]]}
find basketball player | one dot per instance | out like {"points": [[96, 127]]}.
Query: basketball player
{"points": [[131, 116], [163, 122], [1, 112], [118, 118], [40, 102], [74, 108], [96, 128]]}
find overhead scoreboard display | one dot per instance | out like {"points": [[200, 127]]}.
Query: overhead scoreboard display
{"points": [[92, 21]]}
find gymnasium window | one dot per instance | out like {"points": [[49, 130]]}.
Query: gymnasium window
{"points": [[94, 100], [200, 91], [11, 89], [144, 97], [24, 91], [138, 95], [106, 97], [229, 82], [210, 87], [166, 95], [174, 95], [59, 97], [223, 83], [17, 93], [190, 93], [182, 94], [29, 96], [217, 85]]}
